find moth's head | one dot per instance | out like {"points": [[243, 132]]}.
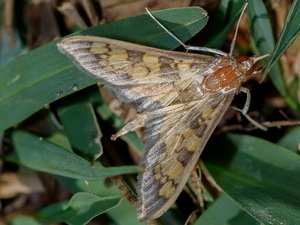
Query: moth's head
{"points": [[250, 65]]}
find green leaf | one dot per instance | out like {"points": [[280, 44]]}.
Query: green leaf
{"points": [[229, 11], [80, 124], [260, 176], [60, 140], [124, 214], [289, 33], [45, 75], [102, 187], [225, 211], [79, 210], [25, 220], [260, 26], [290, 139], [261, 31], [42, 155]]}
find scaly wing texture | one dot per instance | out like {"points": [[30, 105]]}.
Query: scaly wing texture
{"points": [[170, 158], [139, 74], [166, 88]]}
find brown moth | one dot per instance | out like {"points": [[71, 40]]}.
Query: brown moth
{"points": [[179, 97]]}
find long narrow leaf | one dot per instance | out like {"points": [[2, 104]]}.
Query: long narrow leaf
{"points": [[289, 33], [225, 211], [261, 177], [42, 155]]}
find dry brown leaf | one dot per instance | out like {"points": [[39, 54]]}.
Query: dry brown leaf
{"points": [[13, 184], [42, 24], [115, 9]]}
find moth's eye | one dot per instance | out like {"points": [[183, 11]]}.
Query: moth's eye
{"points": [[250, 71], [241, 58], [256, 67]]}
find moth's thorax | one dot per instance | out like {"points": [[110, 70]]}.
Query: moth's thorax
{"points": [[229, 74]]}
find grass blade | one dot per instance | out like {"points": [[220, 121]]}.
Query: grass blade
{"points": [[263, 178]]}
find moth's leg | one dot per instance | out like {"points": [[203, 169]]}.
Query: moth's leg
{"points": [[258, 125], [138, 121], [196, 180], [248, 100], [246, 108], [187, 47]]}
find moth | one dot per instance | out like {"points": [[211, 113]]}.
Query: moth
{"points": [[179, 97]]}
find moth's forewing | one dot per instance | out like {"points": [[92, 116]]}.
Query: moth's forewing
{"points": [[135, 73]]}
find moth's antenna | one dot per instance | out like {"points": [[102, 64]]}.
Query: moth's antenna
{"points": [[187, 47], [236, 31], [163, 27]]}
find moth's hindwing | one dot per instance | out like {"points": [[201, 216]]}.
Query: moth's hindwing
{"points": [[172, 155]]}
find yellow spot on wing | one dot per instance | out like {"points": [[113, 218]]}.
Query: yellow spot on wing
{"points": [[183, 66], [154, 68], [139, 72], [98, 44], [173, 172], [191, 146], [207, 113], [167, 190], [158, 176], [177, 172], [149, 58], [118, 56], [188, 133], [99, 49]]}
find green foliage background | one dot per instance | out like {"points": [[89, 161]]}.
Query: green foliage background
{"points": [[261, 179]]}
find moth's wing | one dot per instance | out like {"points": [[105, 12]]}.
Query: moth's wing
{"points": [[164, 85], [171, 156], [135, 73]]}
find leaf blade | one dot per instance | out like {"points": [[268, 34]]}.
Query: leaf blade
{"points": [[225, 211], [289, 33], [80, 209], [260, 176], [32, 151]]}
